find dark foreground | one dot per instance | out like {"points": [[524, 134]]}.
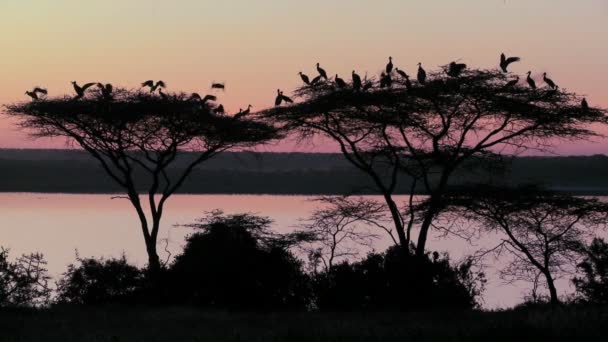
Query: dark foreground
{"points": [[179, 324]]}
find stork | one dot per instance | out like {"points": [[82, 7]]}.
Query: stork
{"points": [[408, 83], [340, 82], [530, 81], [34, 93], [220, 109], [209, 98], [512, 83], [304, 78], [242, 113], [504, 61], [389, 66], [401, 72], [321, 71], [153, 86], [455, 69], [356, 81], [421, 74], [80, 91], [219, 86], [106, 90], [549, 81], [195, 97], [584, 105], [279, 99], [315, 80]]}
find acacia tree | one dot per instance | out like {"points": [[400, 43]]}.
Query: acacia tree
{"points": [[544, 232], [137, 138], [429, 131]]}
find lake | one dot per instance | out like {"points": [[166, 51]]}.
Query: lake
{"points": [[63, 225]]}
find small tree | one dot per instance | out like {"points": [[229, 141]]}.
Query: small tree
{"points": [[429, 131], [542, 231], [593, 283], [23, 282], [137, 138]]}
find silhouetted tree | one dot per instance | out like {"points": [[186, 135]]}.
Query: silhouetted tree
{"points": [[23, 282], [136, 136], [431, 130], [543, 231], [341, 226], [238, 262], [593, 284], [97, 281]]}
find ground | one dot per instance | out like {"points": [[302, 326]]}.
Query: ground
{"points": [[181, 324]]}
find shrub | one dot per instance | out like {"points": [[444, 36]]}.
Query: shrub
{"points": [[23, 282]]}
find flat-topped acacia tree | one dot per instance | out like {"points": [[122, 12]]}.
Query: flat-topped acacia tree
{"points": [[137, 136], [429, 131]]}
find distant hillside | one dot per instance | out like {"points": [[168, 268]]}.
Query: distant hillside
{"points": [[277, 173]]}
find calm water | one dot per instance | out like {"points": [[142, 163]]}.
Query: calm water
{"points": [[61, 225]]}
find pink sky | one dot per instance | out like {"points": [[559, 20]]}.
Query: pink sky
{"points": [[259, 46]]}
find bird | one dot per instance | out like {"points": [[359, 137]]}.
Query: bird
{"points": [[340, 82], [286, 99], [530, 81], [455, 69], [321, 71], [242, 113], [315, 80], [584, 105], [304, 78], [220, 109], [383, 80], [162, 95], [34, 93], [389, 66], [421, 74], [80, 91], [106, 90], [195, 97], [408, 83], [401, 72], [215, 85], [504, 61], [356, 81], [153, 86], [279, 99], [549, 81], [386, 80], [367, 86], [512, 83], [209, 98]]}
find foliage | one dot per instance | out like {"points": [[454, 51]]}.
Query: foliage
{"points": [[23, 282], [97, 281], [593, 284]]}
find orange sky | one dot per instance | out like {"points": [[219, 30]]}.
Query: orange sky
{"points": [[258, 46]]}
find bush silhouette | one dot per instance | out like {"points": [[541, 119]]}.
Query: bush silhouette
{"points": [[23, 282], [235, 263], [98, 281], [593, 284]]}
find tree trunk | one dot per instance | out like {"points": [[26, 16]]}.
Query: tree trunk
{"points": [[552, 289], [403, 241], [424, 229]]}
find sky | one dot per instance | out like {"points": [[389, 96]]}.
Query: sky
{"points": [[258, 46]]}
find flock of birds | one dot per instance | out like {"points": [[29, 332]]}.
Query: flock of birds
{"points": [[454, 69]]}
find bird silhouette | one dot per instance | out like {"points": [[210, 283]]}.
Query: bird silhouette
{"points": [[195, 97], [220, 109], [242, 113], [455, 69], [80, 91], [304, 78], [421, 74], [279, 99], [340, 82], [408, 83], [162, 95], [530, 81], [315, 80], [401, 72], [389, 66], [584, 105], [34, 93], [106, 90], [220, 86], [153, 86], [356, 81], [504, 61], [367, 86], [386, 80], [512, 83], [549, 81], [321, 71], [209, 98]]}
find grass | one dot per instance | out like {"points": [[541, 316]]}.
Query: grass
{"points": [[184, 324]]}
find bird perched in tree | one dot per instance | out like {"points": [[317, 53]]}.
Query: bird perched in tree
{"points": [[220, 109], [356, 81], [162, 95], [304, 78], [195, 97], [408, 83], [242, 113], [455, 69], [504, 61], [153, 86], [401, 72], [34, 93], [389, 66], [549, 81], [340, 82], [280, 98], [315, 80], [220, 86], [512, 83], [106, 90], [530, 81], [321, 71], [421, 74], [584, 105], [367, 86], [209, 98], [80, 91], [385, 80]]}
